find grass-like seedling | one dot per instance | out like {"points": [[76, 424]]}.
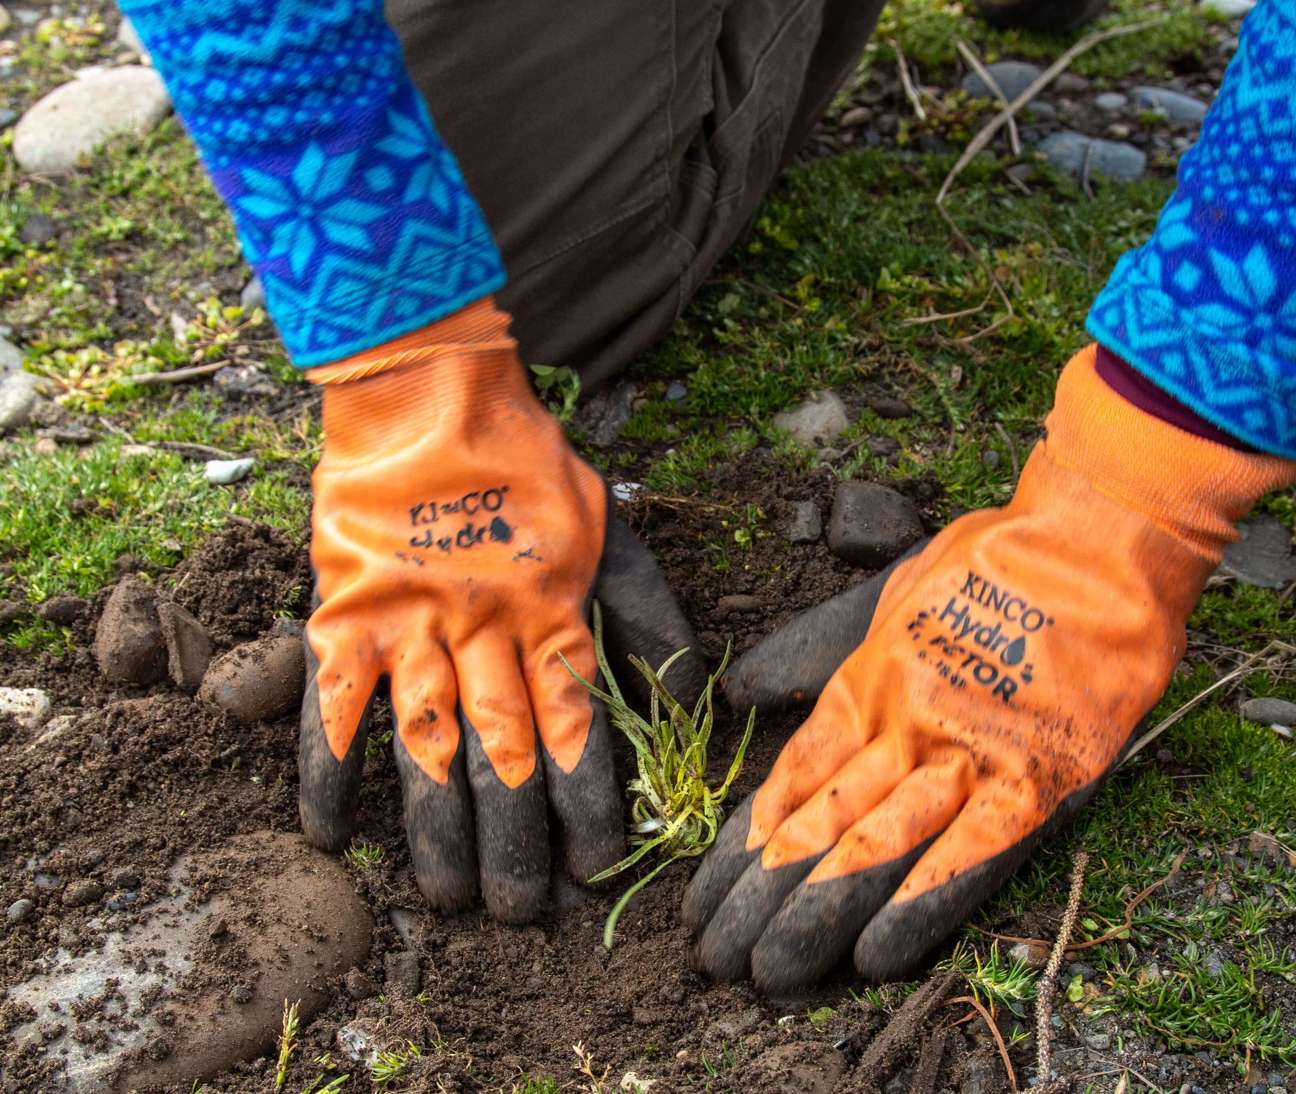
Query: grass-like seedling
{"points": [[364, 856], [388, 1066], [674, 811], [287, 1042]]}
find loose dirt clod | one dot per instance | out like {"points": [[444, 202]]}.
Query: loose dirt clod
{"points": [[871, 524], [128, 641], [189, 649], [257, 681]]}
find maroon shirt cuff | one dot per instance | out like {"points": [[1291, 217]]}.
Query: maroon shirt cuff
{"points": [[1136, 388]]}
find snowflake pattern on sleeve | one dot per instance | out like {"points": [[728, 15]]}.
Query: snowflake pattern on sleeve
{"points": [[347, 202], [1206, 309]]}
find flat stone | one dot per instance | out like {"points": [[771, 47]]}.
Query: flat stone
{"points": [[1032, 954], [128, 640], [871, 524], [1178, 107], [29, 707], [37, 229], [253, 295], [20, 910], [737, 604], [1270, 712], [225, 472], [807, 1067], [259, 680], [61, 130], [816, 421], [1072, 152], [19, 393], [189, 647], [63, 610], [1262, 556], [886, 405], [1070, 83], [11, 357], [291, 915], [1111, 101], [1229, 9], [805, 525], [1013, 77]]}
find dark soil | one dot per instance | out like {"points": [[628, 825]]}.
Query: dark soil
{"points": [[143, 777]]}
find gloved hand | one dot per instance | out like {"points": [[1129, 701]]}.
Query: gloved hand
{"points": [[456, 541], [1004, 669]]}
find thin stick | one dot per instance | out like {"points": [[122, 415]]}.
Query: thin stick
{"points": [[1115, 933], [986, 135], [1012, 450], [906, 82], [1048, 982], [179, 375], [1170, 719], [974, 62], [988, 1018]]}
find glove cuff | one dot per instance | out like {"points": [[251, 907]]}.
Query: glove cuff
{"points": [[438, 380], [1192, 488]]}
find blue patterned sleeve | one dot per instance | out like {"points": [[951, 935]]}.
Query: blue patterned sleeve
{"points": [[1206, 309], [346, 201]]}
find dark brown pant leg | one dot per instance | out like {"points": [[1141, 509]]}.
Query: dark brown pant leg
{"points": [[619, 146]]}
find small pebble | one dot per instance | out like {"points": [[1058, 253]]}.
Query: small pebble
{"points": [[676, 392], [737, 604], [225, 472], [37, 229], [805, 524], [28, 707], [815, 421], [1178, 107], [1012, 78], [1269, 711], [253, 295], [871, 524], [20, 910], [241, 993], [1111, 101]]}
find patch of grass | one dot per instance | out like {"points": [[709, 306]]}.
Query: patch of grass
{"points": [[392, 1065], [69, 515], [927, 30], [536, 1084], [364, 855], [675, 813]]}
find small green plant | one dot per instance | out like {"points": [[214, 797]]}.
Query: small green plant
{"points": [[536, 1084], [994, 979], [364, 856], [674, 811], [390, 1065], [287, 1042], [560, 386], [820, 1017], [333, 1085]]}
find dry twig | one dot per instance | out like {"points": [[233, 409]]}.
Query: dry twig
{"points": [[178, 375], [986, 135], [993, 1027], [906, 82], [974, 62]]}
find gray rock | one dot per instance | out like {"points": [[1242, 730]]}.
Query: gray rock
{"points": [[69, 123], [189, 648], [1099, 1040], [7, 117], [1178, 107], [882, 446], [676, 392], [1041, 110], [886, 405], [19, 393], [1262, 556], [1074, 153], [871, 524], [1070, 83], [816, 421], [257, 681], [244, 381], [1268, 712], [28, 707], [226, 472], [1111, 101], [402, 973], [253, 294], [805, 524], [20, 910], [82, 892], [37, 229], [290, 911], [1213, 963], [11, 357], [1013, 77], [128, 640], [603, 417], [63, 610]]}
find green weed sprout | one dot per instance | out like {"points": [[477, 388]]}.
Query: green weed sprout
{"points": [[287, 1042], [674, 812], [391, 1065]]}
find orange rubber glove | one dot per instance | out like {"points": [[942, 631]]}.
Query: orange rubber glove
{"points": [[1004, 670], [456, 541]]}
